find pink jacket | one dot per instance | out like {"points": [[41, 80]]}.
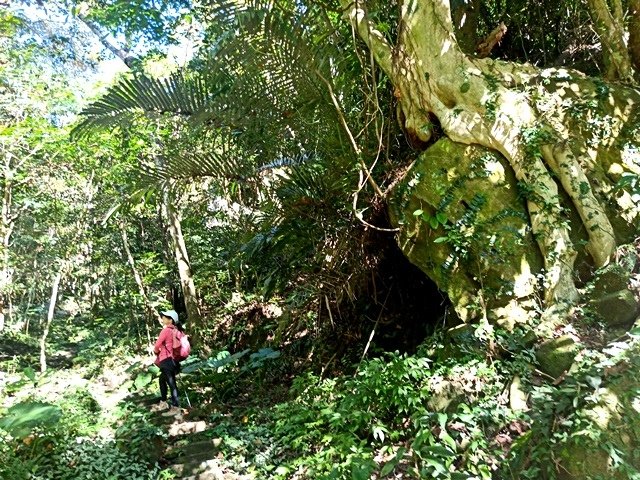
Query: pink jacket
{"points": [[164, 345]]}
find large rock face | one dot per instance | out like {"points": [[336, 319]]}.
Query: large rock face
{"points": [[463, 222]]}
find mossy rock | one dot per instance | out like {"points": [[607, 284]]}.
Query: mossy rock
{"points": [[463, 222], [609, 279], [582, 464], [555, 356], [616, 418], [618, 309]]}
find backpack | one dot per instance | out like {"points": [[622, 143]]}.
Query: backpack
{"points": [[181, 346]]}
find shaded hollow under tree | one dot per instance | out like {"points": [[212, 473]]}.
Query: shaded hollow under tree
{"points": [[402, 304], [394, 306]]}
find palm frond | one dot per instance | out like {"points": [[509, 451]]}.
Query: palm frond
{"points": [[176, 95], [221, 161]]}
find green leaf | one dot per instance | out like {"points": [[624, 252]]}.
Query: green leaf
{"points": [[440, 451], [391, 464], [446, 438], [29, 373], [442, 420], [24, 417], [433, 222], [635, 332], [440, 240], [461, 476], [282, 470], [361, 472], [464, 88], [437, 465], [417, 213], [388, 468], [584, 188], [378, 433], [143, 380], [595, 382], [442, 218]]}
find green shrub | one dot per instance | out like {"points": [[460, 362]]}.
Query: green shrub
{"points": [[90, 459], [380, 421]]}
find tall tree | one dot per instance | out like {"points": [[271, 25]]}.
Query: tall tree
{"points": [[138, 21]]}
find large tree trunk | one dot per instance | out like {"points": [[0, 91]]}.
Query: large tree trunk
{"points": [[517, 110]]}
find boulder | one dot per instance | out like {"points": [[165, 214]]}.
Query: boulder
{"points": [[463, 222], [617, 309], [615, 437], [556, 355]]}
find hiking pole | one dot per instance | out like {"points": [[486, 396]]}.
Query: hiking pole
{"points": [[187, 397]]}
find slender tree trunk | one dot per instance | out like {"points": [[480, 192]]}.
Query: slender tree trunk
{"points": [[7, 223], [14, 158], [634, 33], [609, 24], [149, 310], [182, 258], [45, 332]]}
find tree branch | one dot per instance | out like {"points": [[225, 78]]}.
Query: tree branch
{"points": [[355, 14], [347, 130], [494, 38], [104, 40]]}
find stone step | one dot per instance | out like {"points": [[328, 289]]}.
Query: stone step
{"points": [[178, 425], [182, 427], [199, 469], [142, 400], [192, 461], [179, 451], [196, 466], [210, 476]]}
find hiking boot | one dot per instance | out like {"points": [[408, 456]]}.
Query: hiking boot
{"points": [[160, 406], [173, 412]]}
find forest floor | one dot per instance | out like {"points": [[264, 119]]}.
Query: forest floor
{"points": [[109, 396], [261, 415]]}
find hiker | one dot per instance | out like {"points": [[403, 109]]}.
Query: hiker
{"points": [[169, 367]]}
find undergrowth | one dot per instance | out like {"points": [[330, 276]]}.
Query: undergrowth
{"points": [[444, 413], [52, 424], [402, 416]]}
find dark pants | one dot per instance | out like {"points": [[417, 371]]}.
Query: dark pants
{"points": [[168, 371]]}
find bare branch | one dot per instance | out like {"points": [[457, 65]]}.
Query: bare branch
{"points": [[493, 39]]}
